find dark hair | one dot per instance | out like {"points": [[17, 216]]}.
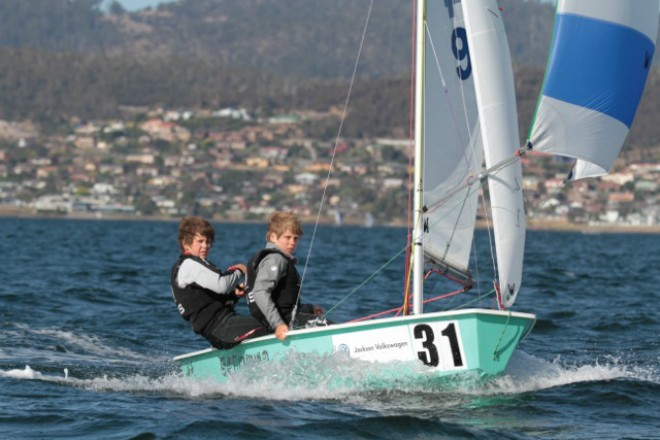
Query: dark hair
{"points": [[191, 226]]}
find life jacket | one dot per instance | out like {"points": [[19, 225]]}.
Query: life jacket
{"points": [[286, 292], [198, 305]]}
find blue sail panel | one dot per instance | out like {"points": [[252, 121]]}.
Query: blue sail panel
{"points": [[599, 61], [618, 59]]}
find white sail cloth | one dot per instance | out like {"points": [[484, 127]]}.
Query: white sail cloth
{"points": [[470, 112], [452, 143], [496, 98], [599, 60]]}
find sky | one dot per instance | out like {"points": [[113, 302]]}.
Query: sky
{"points": [[134, 5]]}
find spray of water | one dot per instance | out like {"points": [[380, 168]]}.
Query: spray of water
{"points": [[337, 377]]}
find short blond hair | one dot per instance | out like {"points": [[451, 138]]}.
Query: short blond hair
{"points": [[191, 226], [281, 221]]}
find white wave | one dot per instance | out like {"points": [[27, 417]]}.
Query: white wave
{"points": [[174, 384], [91, 344], [367, 384], [527, 373], [276, 381], [76, 347], [26, 373]]}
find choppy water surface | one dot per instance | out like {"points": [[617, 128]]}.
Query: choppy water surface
{"points": [[88, 330]]}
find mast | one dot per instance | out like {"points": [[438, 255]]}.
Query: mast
{"points": [[418, 227]]}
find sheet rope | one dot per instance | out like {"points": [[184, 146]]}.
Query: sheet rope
{"points": [[332, 159]]}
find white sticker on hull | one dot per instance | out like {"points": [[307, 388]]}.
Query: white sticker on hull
{"points": [[436, 344], [439, 345], [379, 345]]}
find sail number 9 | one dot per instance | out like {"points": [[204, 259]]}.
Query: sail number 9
{"points": [[459, 46], [444, 350]]}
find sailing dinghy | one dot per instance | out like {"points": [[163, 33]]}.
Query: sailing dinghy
{"points": [[465, 114]]}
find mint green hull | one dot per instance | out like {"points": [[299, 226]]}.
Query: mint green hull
{"points": [[477, 341]]}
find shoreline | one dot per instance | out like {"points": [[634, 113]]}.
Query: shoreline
{"points": [[532, 224]]}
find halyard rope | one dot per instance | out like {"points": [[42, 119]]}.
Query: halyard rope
{"points": [[332, 160]]}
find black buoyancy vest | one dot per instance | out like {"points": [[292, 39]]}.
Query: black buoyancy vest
{"points": [[286, 292], [196, 304]]}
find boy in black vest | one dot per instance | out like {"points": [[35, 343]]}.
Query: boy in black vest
{"points": [[205, 295], [273, 283]]}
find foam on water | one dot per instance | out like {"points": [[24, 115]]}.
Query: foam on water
{"points": [[528, 373], [26, 373], [91, 344], [342, 378], [57, 345]]}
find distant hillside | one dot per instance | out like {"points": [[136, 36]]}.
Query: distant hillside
{"points": [[63, 58], [310, 38], [305, 38]]}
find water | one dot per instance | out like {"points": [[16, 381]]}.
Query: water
{"points": [[88, 330]]}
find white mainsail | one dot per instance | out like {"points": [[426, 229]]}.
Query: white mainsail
{"points": [[599, 60], [493, 78], [452, 142], [469, 108]]}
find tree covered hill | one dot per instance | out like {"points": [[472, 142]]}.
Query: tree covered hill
{"points": [[63, 58], [304, 38]]}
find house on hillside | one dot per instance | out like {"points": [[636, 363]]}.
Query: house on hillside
{"points": [[257, 162], [165, 130], [306, 178]]}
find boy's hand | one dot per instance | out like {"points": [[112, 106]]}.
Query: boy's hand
{"points": [[240, 267], [240, 290], [280, 331]]}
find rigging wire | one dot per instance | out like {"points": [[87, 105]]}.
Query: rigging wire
{"points": [[467, 158], [482, 176], [397, 310], [482, 181], [369, 278], [468, 155], [334, 153], [490, 236], [549, 196], [405, 306]]}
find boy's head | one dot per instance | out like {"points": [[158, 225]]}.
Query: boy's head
{"points": [[191, 227], [284, 230]]}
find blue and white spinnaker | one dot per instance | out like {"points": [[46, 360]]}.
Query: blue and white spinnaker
{"points": [[599, 60]]}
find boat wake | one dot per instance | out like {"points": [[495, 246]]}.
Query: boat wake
{"points": [[53, 345], [335, 377], [527, 373], [88, 362]]}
